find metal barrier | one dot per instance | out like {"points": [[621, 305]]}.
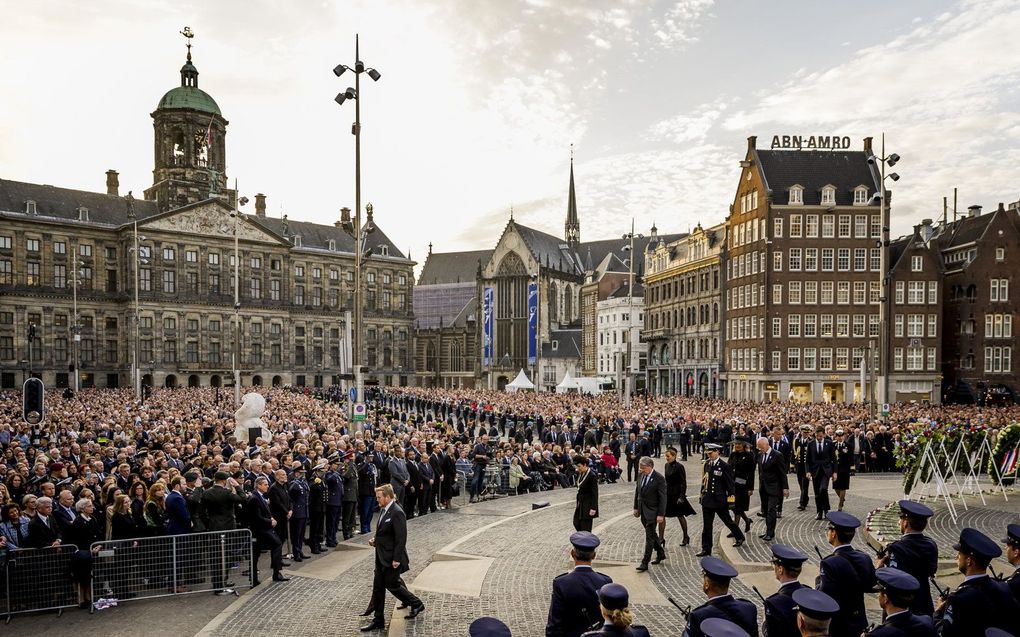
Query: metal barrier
{"points": [[38, 579], [143, 568]]}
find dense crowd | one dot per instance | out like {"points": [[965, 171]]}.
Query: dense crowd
{"points": [[105, 467]]}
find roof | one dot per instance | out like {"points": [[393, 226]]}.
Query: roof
{"points": [[568, 344], [599, 249], [965, 230], [317, 235], [621, 291], [550, 251], [452, 267], [444, 303], [189, 97], [63, 203], [814, 169]]}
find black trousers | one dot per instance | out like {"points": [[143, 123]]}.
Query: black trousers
{"points": [[349, 510], [685, 449], [582, 522], [317, 530], [770, 505], [297, 533], [805, 485], [275, 557], [708, 519], [651, 540], [388, 578], [820, 481], [332, 523], [632, 468]]}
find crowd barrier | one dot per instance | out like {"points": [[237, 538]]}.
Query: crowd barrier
{"points": [[149, 567], [39, 579]]}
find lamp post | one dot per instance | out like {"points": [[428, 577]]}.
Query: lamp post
{"points": [[236, 354], [883, 267], [76, 327], [138, 261], [356, 229], [630, 312]]}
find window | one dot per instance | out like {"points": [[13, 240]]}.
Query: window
{"points": [[796, 226], [809, 359], [299, 271], [843, 260], [191, 256], [810, 325], [858, 329], [860, 196], [214, 258], [915, 359], [169, 281], [843, 292], [828, 226], [169, 323], [933, 292], [844, 226], [59, 247], [370, 277], [777, 228], [933, 322], [842, 358], [777, 293], [861, 226], [1000, 253], [876, 226], [825, 326], [5, 243], [900, 289], [793, 325], [777, 261], [811, 292], [828, 259], [842, 325], [32, 245], [214, 325], [811, 230], [898, 322], [214, 352], [59, 276], [334, 274], [170, 351], [876, 259], [860, 259], [916, 263], [860, 292], [810, 259], [299, 295], [795, 261], [873, 325], [827, 296], [255, 289], [32, 273], [825, 358], [84, 250], [777, 327], [793, 359], [274, 290], [794, 292], [256, 263], [1000, 290], [168, 254], [915, 292], [214, 283], [915, 325], [796, 195], [828, 196]]}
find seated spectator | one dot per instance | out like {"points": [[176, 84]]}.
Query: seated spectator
{"points": [[520, 482], [14, 527]]}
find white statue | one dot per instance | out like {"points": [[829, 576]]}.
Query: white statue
{"points": [[248, 417]]}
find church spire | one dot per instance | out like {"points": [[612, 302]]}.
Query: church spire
{"points": [[189, 74], [572, 228]]}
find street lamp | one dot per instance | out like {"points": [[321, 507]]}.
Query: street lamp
{"points": [[235, 356], [76, 326], [883, 327], [137, 260], [630, 236], [356, 229]]}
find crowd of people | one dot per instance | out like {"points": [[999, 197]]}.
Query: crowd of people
{"points": [[106, 467]]}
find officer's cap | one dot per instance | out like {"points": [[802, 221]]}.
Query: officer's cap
{"points": [[719, 627], [221, 475], [1013, 534], [613, 596], [334, 457], [895, 580], [712, 447], [297, 466], [976, 543], [842, 520], [997, 632], [787, 555], [488, 627], [717, 569], [815, 603], [805, 427], [913, 509], [319, 466], [584, 541]]}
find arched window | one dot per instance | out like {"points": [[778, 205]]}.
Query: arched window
{"points": [[178, 151], [554, 302]]}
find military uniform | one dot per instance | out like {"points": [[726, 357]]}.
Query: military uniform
{"points": [[980, 602], [900, 587], [615, 597], [800, 451], [817, 605], [717, 487], [916, 554], [780, 609], [1013, 539], [740, 611], [334, 501], [318, 501], [298, 490], [574, 607], [846, 575]]}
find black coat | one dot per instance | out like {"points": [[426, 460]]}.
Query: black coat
{"points": [[717, 484], [772, 474], [41, 534], [739, 611], [391, 538], [279, 501], [260, 521], [650, 501], [905, 625], [845, 576], [781, 612], [821, 462], [217, 508], [588, 495], [575, 602], [743, 479], [676, 491]]}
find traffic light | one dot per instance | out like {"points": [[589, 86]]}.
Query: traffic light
{"points": [[32, 397]]}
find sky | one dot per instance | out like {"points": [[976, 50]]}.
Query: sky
{"points": [[481, 102]]}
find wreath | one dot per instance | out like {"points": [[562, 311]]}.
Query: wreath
{"points": [[1006, 443]]}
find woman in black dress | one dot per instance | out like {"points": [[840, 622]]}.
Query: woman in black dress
{"points": [[449, 468], [844, 462], [743, 464], [85, 530], [677, 504]]}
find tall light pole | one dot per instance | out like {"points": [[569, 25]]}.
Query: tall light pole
{"points": [[76, 327], [138, 260], [628, 379], [883, 267], [236, 354], [356, 230]]}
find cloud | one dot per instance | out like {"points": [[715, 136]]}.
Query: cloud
{"points": [[687, 127]]}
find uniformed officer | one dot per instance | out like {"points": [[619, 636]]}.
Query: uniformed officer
{"points": [[335, 500], [980, 602], [800, 451], [816, 612], [298, 490], [845, 575], [1013, 555], [717, 492], [488, 627], [780, 609], [716, 586], [914, 553], [618, 621], [318, 501], [575, 602], [719, 627], [896, 591]]}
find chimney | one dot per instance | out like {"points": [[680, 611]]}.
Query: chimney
{"points": [[260, 206], [927, 231], [112, 183], [974, 211], [867, 145], [751, 142]]}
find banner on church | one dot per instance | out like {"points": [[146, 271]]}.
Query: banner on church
{"points": [[487, 325], [532, 322]]}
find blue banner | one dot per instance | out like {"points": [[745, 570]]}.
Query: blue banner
{"points": [[532, 322], [487, 325]]}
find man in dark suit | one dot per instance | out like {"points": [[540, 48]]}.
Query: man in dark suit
{"points": [[914, 553], [587, 508], [780, 444], [279, 504], [846, 575], [717, 575], [391, 560], [633, 452], [575, 600], [262, 525], [217, 511], [780, 609], [685, 441], [717, 490], [772, 483], [650, 508], [178, 520], [821, 468], [42, 528]]}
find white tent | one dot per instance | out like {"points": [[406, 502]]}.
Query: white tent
{"points": [[567, 384], [520, 383]]}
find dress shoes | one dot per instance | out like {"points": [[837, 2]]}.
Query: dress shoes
{"points": [[702, 553], [767, 538], [659, 559], [316, 550], [368, 611], [760, 514], [642, 567], [779, 516], [367, 628], [402, 607], [417, 610], [801, 508], [280, 577], [729, 535], [298, 558], [818, 517], [739, 542]]}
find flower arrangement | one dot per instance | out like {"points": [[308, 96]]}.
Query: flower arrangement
{"points": [[1004, 459], [944, 439]]}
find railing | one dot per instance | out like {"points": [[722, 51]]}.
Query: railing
{"points": [[38, 579]]}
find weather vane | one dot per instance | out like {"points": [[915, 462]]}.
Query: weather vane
{"points": [[188, 33]]}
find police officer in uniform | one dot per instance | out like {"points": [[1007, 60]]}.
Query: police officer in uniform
{"points": [[335, 499], [846, 575], [718, 627], [780, 609], [716, 586], [914, 553], [298, 490], [980, 602], [717, 491], [896, 590], [349, 473], [618, 621], [575, 602], [800, 451], [488, 627], [1013, 555], [816, 612], [318, 501]]}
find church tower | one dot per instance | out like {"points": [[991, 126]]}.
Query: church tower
{"points": [[572, 228], [190, 150]]}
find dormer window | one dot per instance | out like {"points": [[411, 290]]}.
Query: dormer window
{"points": [[332, 245], [30, 208], [860, 195], [384, 250], [555, 345], [83, 213], [796, 195], [828, 195], [297, 241]]}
